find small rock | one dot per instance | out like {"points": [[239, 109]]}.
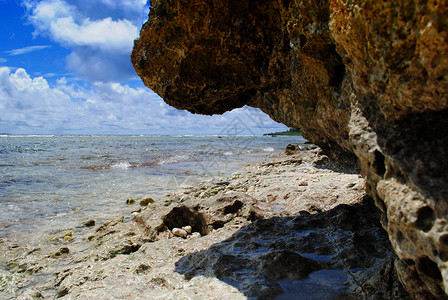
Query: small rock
{"points": [[143, 269], [303, 183], [62, 291], [195, 235], [223, 182], [89, 223], [107, 223], [53, 239], [64, 250], [179, 232], [120, 219], [89, 237], [66, 233], [32, 295], [146, 201], [323, 160], [188, 229], [137, 210], [350, 185], [130, 201], [69, 239], [291, 149]]}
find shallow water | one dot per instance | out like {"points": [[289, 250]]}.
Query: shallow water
{"points": [[323, 284], [49, 183]]}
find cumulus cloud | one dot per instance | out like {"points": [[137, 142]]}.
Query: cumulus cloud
{"points": [[104, 30], [31, 105], [64, 24], [27, 49]]}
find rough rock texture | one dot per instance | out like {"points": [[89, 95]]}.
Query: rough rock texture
{"points": [[288, 227], [365, 78]]}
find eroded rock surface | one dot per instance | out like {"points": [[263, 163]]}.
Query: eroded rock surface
{"points": [[364, 79], [337, 253], [316, 235]]}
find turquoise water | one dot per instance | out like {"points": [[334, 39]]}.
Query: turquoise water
{"points": [[53, 182]]}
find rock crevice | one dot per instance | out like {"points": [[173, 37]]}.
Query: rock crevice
{"points": [[367, 81]]}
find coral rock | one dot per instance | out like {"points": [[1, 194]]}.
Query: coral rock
{"points": [[364, 80]]}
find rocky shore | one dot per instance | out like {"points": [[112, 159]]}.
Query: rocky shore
{"points": [[366, 81], [295, 226]]}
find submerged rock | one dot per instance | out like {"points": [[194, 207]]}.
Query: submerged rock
{"points": [[146, 201], [130, 201], [89, 223], [67, 233]]}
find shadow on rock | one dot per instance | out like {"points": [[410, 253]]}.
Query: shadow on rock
{"points": [[343, 253]]}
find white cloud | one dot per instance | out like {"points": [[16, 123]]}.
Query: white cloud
{"points": [[28, 49], [97, 32], [66, 25], [3, 60], [31, 105], [106, 34]]}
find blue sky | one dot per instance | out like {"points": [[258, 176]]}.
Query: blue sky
{"points": [[65, 69]]}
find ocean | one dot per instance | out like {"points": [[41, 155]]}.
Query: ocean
{"points": [[49, 183]]}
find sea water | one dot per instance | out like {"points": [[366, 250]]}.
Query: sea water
{"points": [[49, 183]]}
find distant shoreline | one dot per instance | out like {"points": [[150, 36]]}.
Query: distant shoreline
{"points": [[291, 131]]}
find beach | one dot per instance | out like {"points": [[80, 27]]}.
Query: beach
{"points": [[50, 182], [292, 225]]}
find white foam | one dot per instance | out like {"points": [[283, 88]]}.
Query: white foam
{"points": [[268, 149], [174, 159], [122, 165]]}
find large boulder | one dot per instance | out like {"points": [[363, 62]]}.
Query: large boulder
{"points": [[364, 80]]}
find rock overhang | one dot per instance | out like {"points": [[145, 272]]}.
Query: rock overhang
{"points": [[364, 80]]}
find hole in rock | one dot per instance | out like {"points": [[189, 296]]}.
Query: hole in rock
{"points": [[409, 262], [425, 218], [378, 163], [444, 240], [183, 216], [400, 236], [337, 75], [233, 208], [429, 268], [443, 256], [303, 40]]}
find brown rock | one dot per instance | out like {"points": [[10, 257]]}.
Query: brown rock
{"points": [[365, 80], [291, 149], [146, 201], [89, 223]]}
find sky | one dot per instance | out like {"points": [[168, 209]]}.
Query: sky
{"points": [[65, 69]]}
